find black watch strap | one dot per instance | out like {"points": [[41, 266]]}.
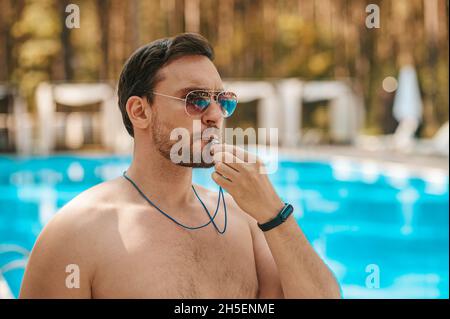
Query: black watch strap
{"points": [[279, 219]]}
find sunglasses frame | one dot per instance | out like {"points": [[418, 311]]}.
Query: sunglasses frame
{"points": [[213, 94]]}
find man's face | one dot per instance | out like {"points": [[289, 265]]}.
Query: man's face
{"points": [[181, 76]]}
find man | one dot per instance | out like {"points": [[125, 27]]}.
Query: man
{"points": [[130, 237]]}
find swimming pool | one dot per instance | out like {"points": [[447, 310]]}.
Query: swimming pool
{"points": [[384, 232]]}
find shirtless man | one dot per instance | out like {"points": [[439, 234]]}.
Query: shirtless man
{"points": [[125, 248]]}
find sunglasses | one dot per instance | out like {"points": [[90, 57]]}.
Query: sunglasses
{"points": [[197, 102]]}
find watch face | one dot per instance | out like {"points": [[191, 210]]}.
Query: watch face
{"points": [[286, 212]]}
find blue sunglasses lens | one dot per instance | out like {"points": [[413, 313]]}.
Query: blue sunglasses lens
{"points": [[228, 102], [198, 101]]}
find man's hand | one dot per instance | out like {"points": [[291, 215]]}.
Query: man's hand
{"points": [[302, 273], [243, 176]]}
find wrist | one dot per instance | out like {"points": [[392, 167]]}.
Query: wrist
{"points": [[271, 212], [279, 219]]}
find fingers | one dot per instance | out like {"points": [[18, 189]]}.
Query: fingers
{"points": [[232, 164], [238, 152], [226, 171], [221, 180], [228, 159]]}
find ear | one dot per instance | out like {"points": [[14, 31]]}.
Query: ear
{"points": [[138, 112]]}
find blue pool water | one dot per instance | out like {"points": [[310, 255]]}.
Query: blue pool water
{"points": [[384, 233]]}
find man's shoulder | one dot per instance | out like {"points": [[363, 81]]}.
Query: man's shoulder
{"points": [[77, 234], [99, 195], [89, 210], [95, 200]]}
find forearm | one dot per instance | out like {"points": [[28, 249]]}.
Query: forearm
{"points": [[302, 272]]}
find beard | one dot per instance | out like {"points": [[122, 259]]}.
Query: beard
{"points": [[161, 138]]}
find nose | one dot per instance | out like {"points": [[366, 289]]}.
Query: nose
{"points": [[213, 115]]}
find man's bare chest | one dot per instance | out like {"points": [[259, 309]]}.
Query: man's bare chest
{"points": [[177, 263]]}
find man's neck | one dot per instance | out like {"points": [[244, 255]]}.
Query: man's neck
{"points": [[161, 180]]}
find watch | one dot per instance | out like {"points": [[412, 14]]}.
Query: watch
{"points": [[279, 219]]}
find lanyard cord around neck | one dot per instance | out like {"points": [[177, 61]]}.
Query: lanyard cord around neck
{"points": [[211, 218]]}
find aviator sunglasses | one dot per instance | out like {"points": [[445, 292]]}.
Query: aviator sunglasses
{"points": [[197, 102]]}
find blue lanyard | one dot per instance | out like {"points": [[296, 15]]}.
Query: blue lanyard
{"points": [[211, 218]]}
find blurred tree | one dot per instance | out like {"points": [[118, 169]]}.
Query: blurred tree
{"points": [[37, 43], [309, 39], [67, 48], [7, 15], [103, 7]]}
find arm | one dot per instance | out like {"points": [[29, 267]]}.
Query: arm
{"points": [[47, 274], [269, 285], [302, 273]]}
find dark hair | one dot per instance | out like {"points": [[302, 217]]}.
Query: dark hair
{"points": [[140, 73]]}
